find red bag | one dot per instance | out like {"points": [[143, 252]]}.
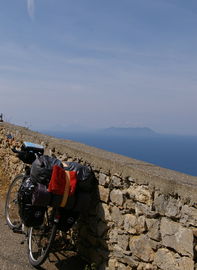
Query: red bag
{"points": [[62, 185]]}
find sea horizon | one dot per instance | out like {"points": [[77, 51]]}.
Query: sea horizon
{"points": [[175, 152]]}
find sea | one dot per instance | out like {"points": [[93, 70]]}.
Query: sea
{"points": [[174, 152]]}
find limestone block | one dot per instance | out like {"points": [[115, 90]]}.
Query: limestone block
{"points": [[116, 181], [129, 261], [112, 263], [188, 215], [141, 248], [160, 203], [168, 260], [144, 209], [141, 225], [140, 194], [165, 260], [103, 193], [121, 266], [116, 197], [123, 241], [117, 251], [167, 205], [113, 236], [117, 216], [103, 179], [153, 226], [130, 222], [177, 237], [146, 266], [173, 208], [185, 263], [133, 224], [129, 204]]}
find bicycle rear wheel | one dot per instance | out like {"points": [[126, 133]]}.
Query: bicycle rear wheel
{"points": [[40, 241], [11, 205]]}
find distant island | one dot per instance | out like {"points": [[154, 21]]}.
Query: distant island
{"points": [[130, 131], [111, 131]]}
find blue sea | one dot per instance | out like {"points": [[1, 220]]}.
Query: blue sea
{"points": [[169, 151]]}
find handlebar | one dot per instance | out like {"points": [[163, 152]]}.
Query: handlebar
{"points": [[26, 157], [15, 150], [28, 152]]}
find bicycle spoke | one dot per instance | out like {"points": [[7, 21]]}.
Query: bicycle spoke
{"points": [[11, 207]]}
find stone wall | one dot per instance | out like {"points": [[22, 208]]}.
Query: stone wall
{"points": [[141, 217]]}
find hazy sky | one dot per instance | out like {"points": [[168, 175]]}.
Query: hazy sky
{"points": [[99, 63]]}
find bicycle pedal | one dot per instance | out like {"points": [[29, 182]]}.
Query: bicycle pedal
{"points": [[16, 230]]}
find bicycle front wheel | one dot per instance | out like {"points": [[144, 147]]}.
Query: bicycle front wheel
{"points": [[40, 241], [11, 205]]}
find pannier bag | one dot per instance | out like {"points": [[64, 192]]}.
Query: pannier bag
{"points": [[85, 175], [31, 216], [67, 220], [41, 169], [41, 196], [59, 186], [54, 193]]}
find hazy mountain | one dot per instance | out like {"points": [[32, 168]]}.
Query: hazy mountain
{"points": [[138, 131], [112, 131]]}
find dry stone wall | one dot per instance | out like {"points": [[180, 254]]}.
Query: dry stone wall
{"points": [[141, 216]]}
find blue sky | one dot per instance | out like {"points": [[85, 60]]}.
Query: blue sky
{"points": [[128, 63]]}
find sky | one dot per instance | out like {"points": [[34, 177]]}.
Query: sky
{"points": [[99, 63]]}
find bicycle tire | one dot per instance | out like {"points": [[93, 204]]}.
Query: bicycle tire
{"points": [[45, 235], [12, 217]]}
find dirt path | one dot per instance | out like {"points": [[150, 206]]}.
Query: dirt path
{"points": [[13, 254]]}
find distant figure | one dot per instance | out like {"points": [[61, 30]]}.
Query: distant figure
{"points": [[1, 117]]}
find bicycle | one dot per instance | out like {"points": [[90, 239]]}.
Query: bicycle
{"points": [[56, 219]]}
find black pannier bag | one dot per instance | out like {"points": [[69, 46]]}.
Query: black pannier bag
{"points": [[67, 220], [85, 176], [31, 216], [41, 169], [41, 196]]}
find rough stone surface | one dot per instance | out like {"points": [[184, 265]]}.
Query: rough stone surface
{"points": [[116, 215], [189, 215], [177, 237], [153, 226], [140, 194], [116, 181], [104, 194], [130, 222], [168, 260], [116, 197], [173, 208], [165, 260], [141, 248], [103, 179], [123, 241], [141, 216]]}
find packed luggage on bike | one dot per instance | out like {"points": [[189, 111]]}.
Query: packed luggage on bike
{"points": [[49, 197]]}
